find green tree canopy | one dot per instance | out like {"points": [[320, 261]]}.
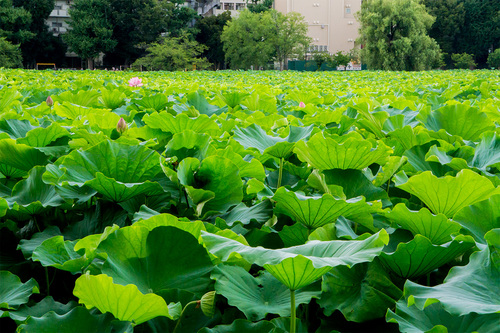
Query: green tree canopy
{"points": [[209, 34], [259, 6], [249, 40], [394, 35], [91, 29], [15, 23], [10, 55]]}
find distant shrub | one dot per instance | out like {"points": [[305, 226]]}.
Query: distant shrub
{"points": [[463, 60], [494, 59], [10, 55]]}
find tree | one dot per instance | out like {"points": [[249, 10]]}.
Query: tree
{"points": [[321, 58], [394, 35], [342, 58], [14, 23], [172, 54], [10, 54], [249, 40], [91, 29], [259, 6], [463, 60], [44, 46], [449, 24], [209, 34], [290, 32], [494, 59]]}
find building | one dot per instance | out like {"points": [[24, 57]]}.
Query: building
{"points": [[332, 24]]}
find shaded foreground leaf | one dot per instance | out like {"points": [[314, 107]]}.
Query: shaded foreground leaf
{"points": [[13, 292]]}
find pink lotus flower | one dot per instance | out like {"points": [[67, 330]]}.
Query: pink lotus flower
{"points": [[135, 82], [302, 105], [49, 101], [121, 126]]}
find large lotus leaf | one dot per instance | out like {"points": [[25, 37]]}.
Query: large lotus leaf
{"points": [[459, 119], [435, 319], [39, 309], [177, 124], [252, 168], [447, 154], [354, 153], [244, 326], [419, 256], [389, 169], [437, 228], [13, 292], [260, 213], [466, 289], [80, 97], [73, 111], [407, 137], [260, 101], [353, 183], [20, 156], [315, 212], [163, 258], [301, 265], [42, 137], [487, 152], [91, 242], [3, 207], [232, 98], [112, 99], [28, 246], [255, 137], [60, 254], [200, 103], [362, 292], [9, 97], [194, 227], [188, 144], [447, 195], [256, 297], [15, 128], [296, 234], [32, 196], [156, 102], [126, 303], [480, 217], [417, 160], [115, 170], [217, 175], [78, 320]]}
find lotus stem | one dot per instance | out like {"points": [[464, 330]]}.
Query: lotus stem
{"points": [[182, 314], [280, 174], [293, 311]]}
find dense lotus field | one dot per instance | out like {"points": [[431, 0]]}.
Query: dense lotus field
{"points": [[249, 202]]}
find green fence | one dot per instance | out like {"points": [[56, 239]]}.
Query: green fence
{"points": [[310, 66]]}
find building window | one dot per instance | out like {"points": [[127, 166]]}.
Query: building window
{"points": [[229, 6], [348, 10], [57, 24], [57, 7], [240, 6]]}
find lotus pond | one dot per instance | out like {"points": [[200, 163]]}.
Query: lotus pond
{"points": [[249, 201]]}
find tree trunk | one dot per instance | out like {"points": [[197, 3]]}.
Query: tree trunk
{"points": [[90, 63]]}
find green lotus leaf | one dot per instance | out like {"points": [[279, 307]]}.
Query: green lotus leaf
{"points": [[255, 137], [244, 326], [188, 144], [32, 196], [42, 137], [407, 137], [20, 156], [3, 207], [260, 101], [437, 228], [312, 259], [232, 98], [296, 234], [163, 258], [259, 213], [199, 102], [215, 186], [447, 195], [104, 120], [466, 289], [28, 246], [487, 152], [73, 111], [157, 102], [354, 153], [15, 128], [362, 292], [60, 254], [194, 227], [177, 124], [126, 303], [78, 319], [354, 183], [419, 256], [459, 119], [447, 154], [91, 242], [480, 217], [389, 169], [81, 97], [112, 99], [13, 292], [252, 168], [417, 161], [315, 212], [435, 319], [117, 171], [9, 98], [39, 309], [256, 297]]}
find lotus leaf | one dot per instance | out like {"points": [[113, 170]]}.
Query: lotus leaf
{"points": [[13, 292], [170, 124], [20, 156], [60, 254], [39, 309]]}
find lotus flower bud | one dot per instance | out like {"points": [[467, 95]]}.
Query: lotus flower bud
{"points": [[49, 101], [121, 126], [302, 105], [207, 304], [135, 82]]}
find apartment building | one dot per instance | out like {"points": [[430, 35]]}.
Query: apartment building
{"points": [[332, 24]]}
